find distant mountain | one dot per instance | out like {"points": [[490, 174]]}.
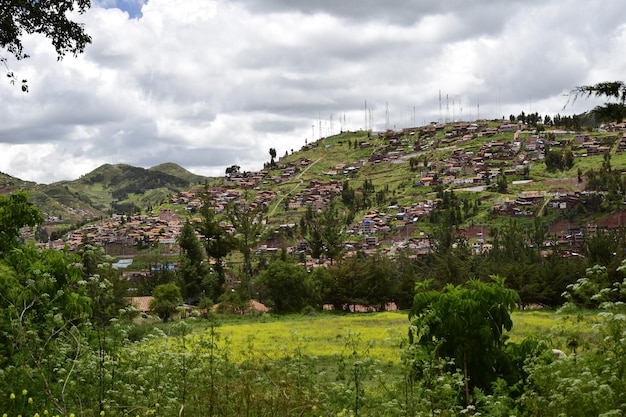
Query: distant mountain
{"points": [[122, 187], [119, 188], [176, 170], [122, 180]]}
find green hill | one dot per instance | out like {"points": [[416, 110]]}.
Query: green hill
{"points": [[107, 189], [177, 171], [125, 188], [489, 170]]}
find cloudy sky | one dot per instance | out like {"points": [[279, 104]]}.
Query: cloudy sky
{"points": [[208, 84]]}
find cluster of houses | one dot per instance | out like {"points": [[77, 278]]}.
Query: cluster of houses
{"points": [[127, 231]]}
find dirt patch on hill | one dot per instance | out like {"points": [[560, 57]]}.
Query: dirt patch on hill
{"points": [[613, 221], [565, 184]]}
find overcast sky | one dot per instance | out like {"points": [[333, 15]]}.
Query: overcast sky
{"points": [[208, 84]]}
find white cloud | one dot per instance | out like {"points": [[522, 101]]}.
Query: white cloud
{"points": [[208, 84]]}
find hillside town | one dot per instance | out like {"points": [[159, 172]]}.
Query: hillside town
{"points": [[396, 227]]}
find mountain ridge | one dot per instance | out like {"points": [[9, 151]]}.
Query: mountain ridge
{"points": [[106, 189]]}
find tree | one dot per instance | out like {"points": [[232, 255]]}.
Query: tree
{"points": [[346, 284], [166, 298], [311, 233], [333, 226], [348, 196], [325, 231], [217, 242], [246, 219], [15, 213], [192, 270], [283, 284], [49, 18], [467, 324], [501, 184], [272, 156], [610, 89], [232, 170]]}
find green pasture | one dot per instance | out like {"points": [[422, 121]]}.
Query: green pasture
{"points": [[377, 335], [380, 336]]}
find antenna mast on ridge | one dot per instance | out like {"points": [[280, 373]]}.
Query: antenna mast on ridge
{"points": [[440, 118], [386, 115], [319, 119]]}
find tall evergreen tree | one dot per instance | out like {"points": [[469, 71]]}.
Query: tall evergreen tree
{"points": [[246, 220], [193, 271], [216, 240]]}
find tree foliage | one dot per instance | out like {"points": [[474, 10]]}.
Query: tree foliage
{"points": [[610, 89], [103, 284], [324, 231], [283, 285], [15, 213], [44, 311], [559, 160], [193, 271], [49, 18], [246, 219], [166, 298], [465, 323]]}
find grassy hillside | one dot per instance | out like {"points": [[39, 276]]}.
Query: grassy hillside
{"points": [[175, 170], [124, 188], [391, 163], [9, 183], [109, 188], [394, 162]]}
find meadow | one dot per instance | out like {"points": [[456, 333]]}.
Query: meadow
{"points": [[383, 335]]}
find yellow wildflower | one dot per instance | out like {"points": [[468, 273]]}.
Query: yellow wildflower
{"points": [[24, 392], [12, 396]]}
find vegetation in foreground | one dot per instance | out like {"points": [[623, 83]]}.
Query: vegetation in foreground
{"points": [[329, 364], [72, 346]]}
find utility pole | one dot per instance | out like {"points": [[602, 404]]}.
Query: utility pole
{"points": [[386, 115]]}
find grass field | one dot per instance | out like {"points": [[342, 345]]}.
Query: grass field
{"points": [[380, 336]]}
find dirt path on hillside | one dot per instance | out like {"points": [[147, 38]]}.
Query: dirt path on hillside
{"points": [[282, 197], [403, 158], [546, 200]]}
